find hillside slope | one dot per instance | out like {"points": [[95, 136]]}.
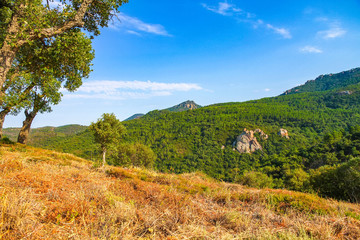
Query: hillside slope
{"points": [[202, 139], [328, 82], [48, 195], [40, 135]]}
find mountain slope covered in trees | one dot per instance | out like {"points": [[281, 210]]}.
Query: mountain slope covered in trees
{"points": [[202, 139], [328, 82]]}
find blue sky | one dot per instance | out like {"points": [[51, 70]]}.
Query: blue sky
{"points": [[156, 54]]}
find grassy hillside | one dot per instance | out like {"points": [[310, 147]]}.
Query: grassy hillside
{"points": [[49, 195], [39, 136]]}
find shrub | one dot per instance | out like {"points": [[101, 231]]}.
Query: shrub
{"points": [[256, 179], [340, 182], [138, 155]]}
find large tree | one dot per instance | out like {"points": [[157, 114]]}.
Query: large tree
{"points": [[24, 23], [63, 61]]}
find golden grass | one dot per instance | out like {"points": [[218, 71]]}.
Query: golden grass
{"points": [[49, 195]]}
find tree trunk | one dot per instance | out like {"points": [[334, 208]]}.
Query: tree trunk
{"points": [[6, 58], [3, 114], [8, 53], [103, 157], [25, 130]]}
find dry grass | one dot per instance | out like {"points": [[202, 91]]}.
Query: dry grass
{"points": [[48, 195]]}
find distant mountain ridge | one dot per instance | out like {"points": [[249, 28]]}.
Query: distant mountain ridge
{"points": [[135, 116], [328, 82], [43, 133], [184, 106]]}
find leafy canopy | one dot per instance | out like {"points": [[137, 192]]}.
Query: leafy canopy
{"points": [[108, 130]]}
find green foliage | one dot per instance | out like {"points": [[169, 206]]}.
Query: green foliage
{"points": [[6, 140], [296, 179], [256, 180], [323, 129], [329, 82], [137, 154], [42, 50], [108, 130], [341, 182]]}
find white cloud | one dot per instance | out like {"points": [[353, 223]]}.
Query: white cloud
{"points": [[282, 31], [135, 25], [227, 9], [267, 89], [133, 33], [333, 32], [310, 49], [119, 95], [223, 8], [121, 90]]}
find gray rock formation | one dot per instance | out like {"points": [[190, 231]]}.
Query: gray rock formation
{"points": [[246, 142], [283, 133], [263, 135]]}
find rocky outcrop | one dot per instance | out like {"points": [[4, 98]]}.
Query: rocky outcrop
{"points": [[246, 142], [283, 133], [347, 92], [188, 105], [263, 135]]}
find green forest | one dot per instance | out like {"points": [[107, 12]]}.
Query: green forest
{"points": [[324, 137]]}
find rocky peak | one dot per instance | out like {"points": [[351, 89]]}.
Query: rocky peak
{"points": [[246, 142], [187, 105]]}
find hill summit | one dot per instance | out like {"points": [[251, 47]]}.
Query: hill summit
{"points": [[187, 105], [328, 82]]}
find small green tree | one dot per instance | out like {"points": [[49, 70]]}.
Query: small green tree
{"points": [[107, 131]]}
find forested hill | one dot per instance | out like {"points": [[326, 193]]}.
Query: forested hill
{"points": [[202, 139], [184, 106], [328, 82]]}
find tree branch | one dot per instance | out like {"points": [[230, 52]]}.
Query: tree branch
{"points": [[77, 21]]}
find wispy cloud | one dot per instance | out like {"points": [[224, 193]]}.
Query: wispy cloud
{"points": [[134, 25], [282, 31], [226, 9], [223, 8], [333, 32], [121, 90], [310, 49], [334, 28]]}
